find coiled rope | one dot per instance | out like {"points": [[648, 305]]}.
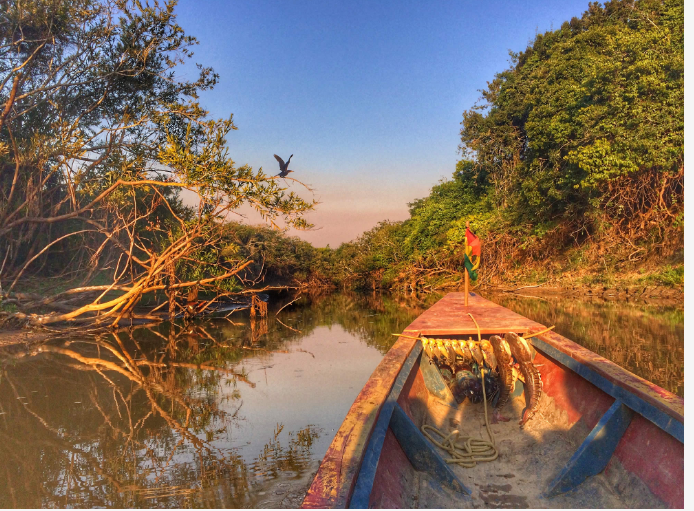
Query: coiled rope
{"points": [[466, 451]]}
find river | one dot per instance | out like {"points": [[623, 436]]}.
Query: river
{"points": [[236, 411]]}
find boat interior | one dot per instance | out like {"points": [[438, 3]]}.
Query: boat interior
{"points": [[529, 458], [600, 436]]}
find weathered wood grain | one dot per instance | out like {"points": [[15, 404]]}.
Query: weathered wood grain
{"points": [[333, 484], [449, 316]]}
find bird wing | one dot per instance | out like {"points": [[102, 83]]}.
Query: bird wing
{"points": [[281, 161], [290, 159]]}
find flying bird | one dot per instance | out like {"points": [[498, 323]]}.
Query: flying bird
{"points": [[284, 167]]}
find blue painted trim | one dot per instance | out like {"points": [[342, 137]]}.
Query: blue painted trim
{"points": [[369, 464], [595, 452], [647, 410], [434, 382], [421, 453]]}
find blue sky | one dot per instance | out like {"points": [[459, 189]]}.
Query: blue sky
{"points": [[367, 95]]}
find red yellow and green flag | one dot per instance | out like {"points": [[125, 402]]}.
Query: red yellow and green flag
{"points": [[473, 249]]}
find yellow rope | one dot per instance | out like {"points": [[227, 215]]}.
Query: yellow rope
{"points": [[533, 334], [406, 336], [471, 450], [467, 451]]}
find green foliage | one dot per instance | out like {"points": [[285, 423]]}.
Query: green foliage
{"points": [[98, 135], [432, 217], [364, 260], [668, 276], [8, 307], [582, 136], [280, 259], [596, 100]]}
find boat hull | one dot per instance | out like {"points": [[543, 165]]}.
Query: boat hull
{"points": [[603, 438]]}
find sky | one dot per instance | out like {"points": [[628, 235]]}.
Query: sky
{"points": [[367, 95]]}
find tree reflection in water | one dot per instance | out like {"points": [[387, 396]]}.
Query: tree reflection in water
{"points": [[113, 425], [154, 417], [644, 338], [143, 417]]}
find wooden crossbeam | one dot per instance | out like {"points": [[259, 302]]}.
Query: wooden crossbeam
{"points": [[595, 452], [634, 400], [367, 473], [415, 446], [421, 452]]}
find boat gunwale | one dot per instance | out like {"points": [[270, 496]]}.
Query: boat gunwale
{"points": [[334, 483], [658, 397], [661, 399], [368, 411], [365, 478], [653, 394]]}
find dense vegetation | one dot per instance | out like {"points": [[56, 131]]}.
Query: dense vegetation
{"points": [[572, 162], [572, 167], [99, 136]]}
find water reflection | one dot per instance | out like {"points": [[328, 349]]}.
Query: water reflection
{"points": [[198, 414], [645, 338], [238, 411], [93, 424]]}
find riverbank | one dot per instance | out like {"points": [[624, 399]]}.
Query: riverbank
{"points": [[627, 291], [673, 295], [663, 283], [13, 336]]}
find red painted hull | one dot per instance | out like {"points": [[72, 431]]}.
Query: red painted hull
{"points": [[647, 455]]}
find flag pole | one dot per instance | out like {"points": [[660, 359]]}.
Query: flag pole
{"points": [[467, 283], [467, 275]]}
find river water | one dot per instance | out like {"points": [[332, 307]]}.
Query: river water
{"points": [[238, 412]]}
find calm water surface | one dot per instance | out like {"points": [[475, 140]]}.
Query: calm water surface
{"points": [[238, 412], [645, 338]]}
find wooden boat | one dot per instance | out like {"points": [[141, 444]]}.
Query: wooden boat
{"points": [[602, 437]]}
